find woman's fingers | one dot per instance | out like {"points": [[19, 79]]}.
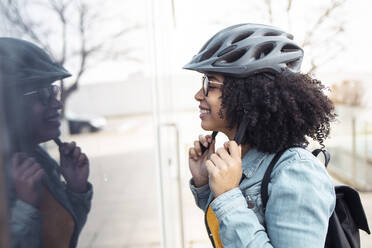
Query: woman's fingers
{"points": [[25, 165], [200, 144], [224, 155], [204, 140], [81, 159], [211, 168], [218, 162], [233, 149], [68, 148], [197, 147], [226, 145], [193, 153], [31, 170], [16, 159], [38, 175], [76, 153]]}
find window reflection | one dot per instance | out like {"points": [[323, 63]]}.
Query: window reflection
{"points": [[45, 211]]}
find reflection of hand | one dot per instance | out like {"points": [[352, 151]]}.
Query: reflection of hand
{"points": [[27, 174], [225, 168], [74, 167], [197, 159]]}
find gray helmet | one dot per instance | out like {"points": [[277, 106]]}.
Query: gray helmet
{"points": [[245, 49], [24, 64]]}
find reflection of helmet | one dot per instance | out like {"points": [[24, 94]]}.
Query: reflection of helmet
{"points": [[25, 64], [245, 49]]}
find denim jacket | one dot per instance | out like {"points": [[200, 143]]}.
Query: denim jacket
{"points": [[301, 200]]}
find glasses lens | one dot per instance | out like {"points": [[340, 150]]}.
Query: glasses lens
{"points": [[46, 93], [205, 85]]}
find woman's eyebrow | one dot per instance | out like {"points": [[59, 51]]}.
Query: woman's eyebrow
{"points": [[211, 77]]}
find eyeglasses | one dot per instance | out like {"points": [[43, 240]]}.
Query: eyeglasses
{"points": [[45, 94], [205, 84]]}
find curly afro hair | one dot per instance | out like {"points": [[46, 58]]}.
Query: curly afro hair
{"points": [[281, 110]]}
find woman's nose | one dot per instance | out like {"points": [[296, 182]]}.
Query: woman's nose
{"points": [[199, 96], [55, 103]]}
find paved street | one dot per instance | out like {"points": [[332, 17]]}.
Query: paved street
{"points": [[125, 206]]}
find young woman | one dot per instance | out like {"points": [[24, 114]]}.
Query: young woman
{"points": [[253, 92], [44, 210]]}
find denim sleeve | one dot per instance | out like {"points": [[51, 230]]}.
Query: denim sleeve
{"points": [[301, 200], [201, 194], [25, 225]]}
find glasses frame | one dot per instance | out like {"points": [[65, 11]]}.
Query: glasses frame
{"points": [[46, 93], [205, 84]]}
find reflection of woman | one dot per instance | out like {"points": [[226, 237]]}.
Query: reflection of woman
{"points": [[44, 210], [253, 92]]}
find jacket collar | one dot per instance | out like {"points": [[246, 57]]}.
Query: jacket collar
{"points": [[251, 161]]}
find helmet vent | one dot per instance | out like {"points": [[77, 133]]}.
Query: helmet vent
{"points": [[289, 48], [233, 56], [263, 50], [209, 53], [242, 36], [226, 50], [206, 44], [293, 64], [272, 34]]}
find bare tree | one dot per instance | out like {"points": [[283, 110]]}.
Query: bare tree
{"points": [[268, 4], [322, 23], [75, 20], [330, 39]]}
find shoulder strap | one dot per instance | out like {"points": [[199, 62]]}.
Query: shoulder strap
{"points": [[326, 154], [266, 180]]}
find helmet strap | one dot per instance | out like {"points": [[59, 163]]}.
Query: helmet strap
{"points": [[241, 129]]}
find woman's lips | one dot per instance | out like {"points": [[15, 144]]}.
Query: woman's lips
{"points": [[204, 112], [53, 119]]}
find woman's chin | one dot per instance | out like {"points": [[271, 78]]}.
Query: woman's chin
{"points": [[206, 127], [50, 136]]}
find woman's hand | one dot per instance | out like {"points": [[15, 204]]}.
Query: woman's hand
{"points": [[225, 168], [74, 167], [197, 159], [27, 174]]}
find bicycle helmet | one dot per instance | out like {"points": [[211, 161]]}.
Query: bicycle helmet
{"points": [[24, 64], [245, 49]]}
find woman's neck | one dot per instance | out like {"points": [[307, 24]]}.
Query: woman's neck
{"points": [[231, 135], [29, 148], [245, 149]]}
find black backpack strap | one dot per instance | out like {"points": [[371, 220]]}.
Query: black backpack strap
{"points": [[266, 180], [326, 154]]}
